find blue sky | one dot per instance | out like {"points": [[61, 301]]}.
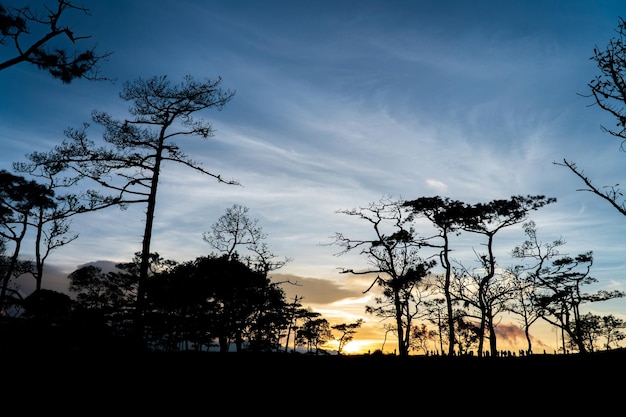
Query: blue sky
{"points": [[339, 103]]}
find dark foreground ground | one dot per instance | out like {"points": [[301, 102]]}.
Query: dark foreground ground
{"points": [[254, 384]]}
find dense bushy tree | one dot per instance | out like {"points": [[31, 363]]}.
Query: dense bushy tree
{"points": [[314, 333], [105, 300], [468, 335], [50, 306], [217, 298], [97, 290]]}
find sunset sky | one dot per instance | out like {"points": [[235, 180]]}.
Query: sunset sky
{"points": [[337, 104]]}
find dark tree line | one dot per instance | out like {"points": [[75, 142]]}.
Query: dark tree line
{"points": [[220, 302], [212, 303]]}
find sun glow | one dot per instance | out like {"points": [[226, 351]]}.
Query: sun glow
{"points": [[360, 347]]}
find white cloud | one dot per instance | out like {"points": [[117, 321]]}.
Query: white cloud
{"points": [[438, 186]]}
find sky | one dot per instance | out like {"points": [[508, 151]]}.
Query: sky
{"points": [[338, 104]]}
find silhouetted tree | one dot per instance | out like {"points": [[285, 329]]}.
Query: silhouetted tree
{"points": [[139, 147], [179, 305], [524, 277], [46, 324], [30, 32], [483, 300], [104, 301], [51, 224], [552, 287], [437, 314], [347, 330], [393, 254], [127, 280], [235, 228], [467, 335], [314, 332], [48, 305], [559, 295], [222, 299], [14, 300], [294, 312], [445, 215], [590, 328], [18, 199], [270, 321], [421, 336], [97, 290], [612, 329], [488, 219], [608, 90], [521, 303]]}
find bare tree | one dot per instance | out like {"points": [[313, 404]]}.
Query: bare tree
{"points": [[421, 336], [36, 45], [524, 277], [608, 90], [437, 314], [521, 303], [232, 229], [235, 228]]}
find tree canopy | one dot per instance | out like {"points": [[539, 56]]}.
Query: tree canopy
{"points": [[32, 34]]}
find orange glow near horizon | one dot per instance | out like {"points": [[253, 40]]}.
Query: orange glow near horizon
{"points": [[357, 347], [370, 339]]}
